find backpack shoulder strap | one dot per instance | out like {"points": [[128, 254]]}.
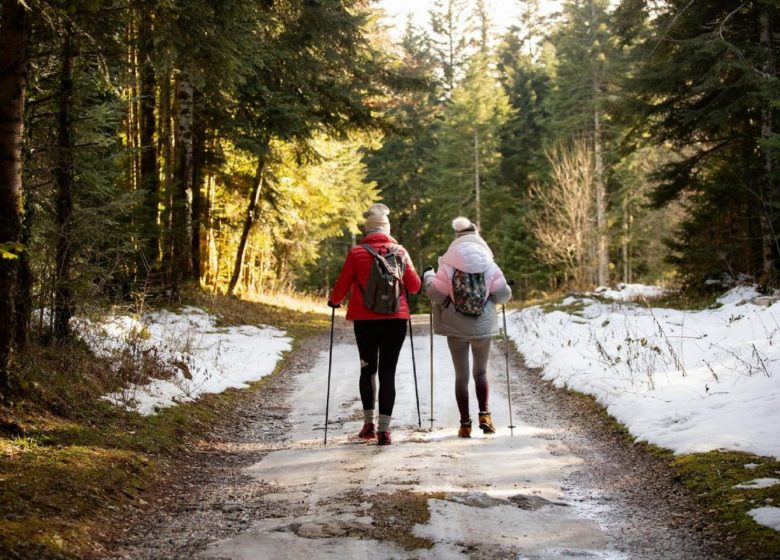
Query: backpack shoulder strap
{"points": [[370, 249]]}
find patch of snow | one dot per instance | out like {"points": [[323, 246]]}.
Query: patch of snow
{"points": [[751, 466], [769, 516], [206, 358], [689, 381], [631, 292], [758, 483], [739, 294]]}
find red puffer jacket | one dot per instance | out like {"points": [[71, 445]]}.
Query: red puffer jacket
{"points": [[355, 272]]}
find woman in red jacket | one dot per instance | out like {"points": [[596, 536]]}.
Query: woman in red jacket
{"points": [[379, 335]]}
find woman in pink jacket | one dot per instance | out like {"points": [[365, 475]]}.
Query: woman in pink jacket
{"points": [[379, 335], [464, 293]]}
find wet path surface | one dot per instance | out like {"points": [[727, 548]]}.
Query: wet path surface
{"points": [[561, 484]]}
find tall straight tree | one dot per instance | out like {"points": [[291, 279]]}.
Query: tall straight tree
{"points": [[63, 297], [404, 165], [584, 47], [451, 38], [527, 80], [149, 180], [467, 155], [181, 214], [13, 83]]}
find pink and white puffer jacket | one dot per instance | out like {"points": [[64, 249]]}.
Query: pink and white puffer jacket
{"points": [[468, 253]]}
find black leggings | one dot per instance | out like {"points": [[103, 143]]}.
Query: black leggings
{"points": [[379, 342]]}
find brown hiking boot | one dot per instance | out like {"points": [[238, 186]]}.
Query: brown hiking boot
{"points": [[486, 423], [465, 429]]}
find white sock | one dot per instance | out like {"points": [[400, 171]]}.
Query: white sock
{"points": [[384, 423]]}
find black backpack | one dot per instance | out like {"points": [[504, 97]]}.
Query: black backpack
{"points": [[382, 294]]}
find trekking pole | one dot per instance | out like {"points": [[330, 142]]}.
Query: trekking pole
{"points": [[506, 355], [430, 326], [414, 367], [330, 364]]}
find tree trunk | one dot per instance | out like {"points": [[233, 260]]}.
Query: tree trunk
{"points": [[182, 183], [24, 279], [602, 240], [476, 179], [602, 243], [770, 196], [63, 174], [166, 149], [13, 83], [249, 220], [149, 179], [626, 241], [198, 148]]}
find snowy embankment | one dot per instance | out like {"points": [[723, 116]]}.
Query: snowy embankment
{"points": [[204, 357], [689, 381]]}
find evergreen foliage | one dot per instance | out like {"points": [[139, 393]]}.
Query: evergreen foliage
{"points": [[706, 85], [151, 144]]}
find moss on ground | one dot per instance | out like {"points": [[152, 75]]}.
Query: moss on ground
{"points": [[711, 478], [69, 460]]}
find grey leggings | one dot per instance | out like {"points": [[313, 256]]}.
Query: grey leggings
{"points": [[459, 350]]}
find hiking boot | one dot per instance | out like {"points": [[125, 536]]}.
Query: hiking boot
{"points": [[383, 438], [368, 431], [486, 423], [465, 429]]}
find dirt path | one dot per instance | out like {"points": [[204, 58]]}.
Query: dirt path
{"points": [[563, 485]]}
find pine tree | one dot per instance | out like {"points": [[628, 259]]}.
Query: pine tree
{"points": [[451, 37], [404, 165], [468, 157], [705, 84], [585, 47], [525, 74]]}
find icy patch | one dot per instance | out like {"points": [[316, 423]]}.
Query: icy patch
{"points": [[768, 516], [758, 483], [206, 358]]}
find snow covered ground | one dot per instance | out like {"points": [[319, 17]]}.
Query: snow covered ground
{"points": [[206, 358], [689, 381]]}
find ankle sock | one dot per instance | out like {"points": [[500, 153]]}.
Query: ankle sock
{"points": [[384, 423]]}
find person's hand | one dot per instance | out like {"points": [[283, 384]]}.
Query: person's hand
{"points": [[333, 305], [428, 274]]}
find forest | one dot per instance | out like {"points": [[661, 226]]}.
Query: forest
{"points": [[151, 145]]}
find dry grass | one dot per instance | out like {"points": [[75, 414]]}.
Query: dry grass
{"points": [[70, 461]]}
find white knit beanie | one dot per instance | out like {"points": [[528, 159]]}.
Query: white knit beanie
{"points": [[463, 226], [376, 218]]}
